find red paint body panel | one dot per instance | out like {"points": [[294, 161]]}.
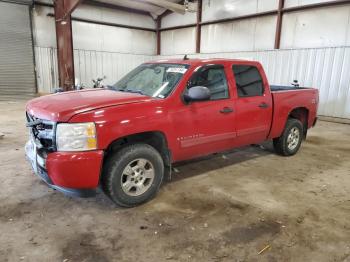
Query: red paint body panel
{"points": [[79, 170], [62, 106], [285, 101], [191, 130]]}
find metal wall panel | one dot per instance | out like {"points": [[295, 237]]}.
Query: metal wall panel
{"points": [[322, 27], [219, 9], [88, 65], [178, 41], [249, 34], [292, 3], [17, 78], [108, 15], [92, 64], [89, 36], [324, 68], [46, 69]]}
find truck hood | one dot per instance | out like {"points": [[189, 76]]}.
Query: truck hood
{"points": [[62, 106]]}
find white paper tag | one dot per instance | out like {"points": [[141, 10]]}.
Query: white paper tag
{"points": [[180, 70]]}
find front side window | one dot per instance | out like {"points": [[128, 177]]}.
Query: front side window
{"points": [[248, 81], [212, 78], [155, 80]]}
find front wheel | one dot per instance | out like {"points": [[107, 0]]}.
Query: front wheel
{"points": [[133, 175], [289, 142]]}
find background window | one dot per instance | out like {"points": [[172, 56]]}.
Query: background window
{"points": [[214, 79], [248, 81]]}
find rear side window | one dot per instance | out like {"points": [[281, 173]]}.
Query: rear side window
{"points": [[248, 80]]}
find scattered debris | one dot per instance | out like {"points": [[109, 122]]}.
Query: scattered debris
{"points": [[2, 135], [205, 225], [224, 157], [156, 232], [300, 219], [219, 257], [65, 260], [176, 170], [264, 249], [143, 227]]}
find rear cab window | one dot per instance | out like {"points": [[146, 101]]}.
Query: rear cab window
{"points": [[248, 81]]}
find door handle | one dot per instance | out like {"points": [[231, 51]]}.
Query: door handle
{"points": [[226, 110], [263, 105]]}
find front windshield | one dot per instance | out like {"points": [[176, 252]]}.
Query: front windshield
{"points": [[155, 80]]}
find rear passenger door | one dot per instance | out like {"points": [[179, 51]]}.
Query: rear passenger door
{"points": [[253, 104]]}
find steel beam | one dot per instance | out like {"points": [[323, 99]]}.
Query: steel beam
{"points": [[313, 6], [116, 7], [108, 23], [178, 8], [199, 26], [279, 24], [64, 38], [158, 32]]}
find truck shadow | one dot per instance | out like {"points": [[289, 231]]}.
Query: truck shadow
{"points": [[198, 166]]}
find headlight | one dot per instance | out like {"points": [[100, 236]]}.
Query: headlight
{"points": [[76, 137]]}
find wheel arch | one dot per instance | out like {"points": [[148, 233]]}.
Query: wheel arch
{"points": [[156, 139], [301, 114]]}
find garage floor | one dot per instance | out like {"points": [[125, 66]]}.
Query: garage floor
{"points": [[224, 208]]}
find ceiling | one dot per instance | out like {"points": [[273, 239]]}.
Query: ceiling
{"points": [[142, 5], [152, 7]]}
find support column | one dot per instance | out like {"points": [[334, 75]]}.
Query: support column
{"points": [[159, 25], [64, 38], [279, 24], [199, 27]]}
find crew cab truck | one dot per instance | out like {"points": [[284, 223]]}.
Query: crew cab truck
{"points": [[126, 136]]}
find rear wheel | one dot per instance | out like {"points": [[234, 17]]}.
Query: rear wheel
{"points": [[133, 175], [289, 142]]}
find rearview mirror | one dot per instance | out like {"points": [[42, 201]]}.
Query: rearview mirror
{"points": [[197, 93]]}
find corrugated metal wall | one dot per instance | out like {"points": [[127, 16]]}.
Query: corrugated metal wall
{"points": [[324, 68], [88, 65]]}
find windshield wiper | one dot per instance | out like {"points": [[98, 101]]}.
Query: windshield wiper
{"points": [[111, 87], [126, 90], [134, 91]]}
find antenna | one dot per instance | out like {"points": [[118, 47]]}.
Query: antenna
{"points": [[185, 57]]}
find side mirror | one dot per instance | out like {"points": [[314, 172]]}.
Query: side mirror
{"points": [[197, 93]]}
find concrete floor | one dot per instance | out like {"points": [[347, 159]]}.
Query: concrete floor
{"points": [[222, 208]]}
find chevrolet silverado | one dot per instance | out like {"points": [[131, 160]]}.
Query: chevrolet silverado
{"points": [[125, 137]]}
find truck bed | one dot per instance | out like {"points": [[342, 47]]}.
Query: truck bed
{"points": [[276, 88], [285, 102]]}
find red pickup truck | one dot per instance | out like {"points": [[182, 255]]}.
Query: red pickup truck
{"points": [[126, 136]]}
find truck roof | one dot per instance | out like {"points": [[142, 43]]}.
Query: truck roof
{"points": [[200, 61]]}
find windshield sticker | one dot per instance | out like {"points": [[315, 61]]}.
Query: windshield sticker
{"points": [[179, 70]]}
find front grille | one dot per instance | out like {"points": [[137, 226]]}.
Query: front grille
{"points": [[43, 133]]}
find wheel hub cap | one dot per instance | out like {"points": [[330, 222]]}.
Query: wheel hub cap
{"points": [[137, 177], [293, 138]]}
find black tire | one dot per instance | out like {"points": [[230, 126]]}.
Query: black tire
{"points": [[113, 171], [281, 144]]}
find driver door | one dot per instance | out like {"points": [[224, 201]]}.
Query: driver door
{"points": [[206, 127]]}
